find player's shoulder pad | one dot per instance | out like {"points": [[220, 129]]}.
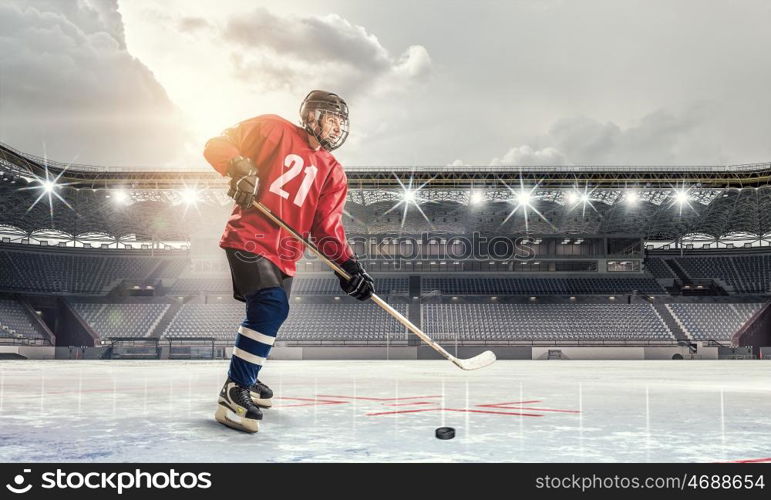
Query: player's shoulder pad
{"points": [[337, 171], [274, 120], [274, 126]]}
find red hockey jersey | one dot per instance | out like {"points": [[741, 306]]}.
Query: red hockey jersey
{"points": [[306, 188]]}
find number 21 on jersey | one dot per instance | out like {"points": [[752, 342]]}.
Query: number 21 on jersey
{"points": [[295, 164]]}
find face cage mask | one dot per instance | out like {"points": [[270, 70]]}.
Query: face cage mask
{"points": [[315, 128]]}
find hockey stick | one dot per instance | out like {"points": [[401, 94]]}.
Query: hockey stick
{"points": [[479, 361]]}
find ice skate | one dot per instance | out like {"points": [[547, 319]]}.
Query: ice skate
{"points": [[235, 408], [261, 394]]}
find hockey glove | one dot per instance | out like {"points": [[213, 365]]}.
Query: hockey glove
{"points": [[243, 181], [361, 285]]}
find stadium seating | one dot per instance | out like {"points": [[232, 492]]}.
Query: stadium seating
{"points": [[540, 286], [216, 284], [300, 286], [754, 273], [8, 273], [659, 268], [16, 324], [172, 269], [713, 321], [306, 322], [206, 320], [485, 322], [121, 320], [745, 273], [337, 322], [331, 286], [76, 273], [545, 322]]}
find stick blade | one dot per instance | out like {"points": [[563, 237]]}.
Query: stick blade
{"points": [[479, 361]]}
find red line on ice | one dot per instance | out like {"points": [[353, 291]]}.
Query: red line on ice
{"points": [[454, 409], [494, 405], [410, 404], [377, 399], [545, 409], [533, 409], [495, 412], [311, 402], [402, 411], [507, 406]]}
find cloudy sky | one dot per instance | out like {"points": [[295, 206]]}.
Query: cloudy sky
{"points": [[146, 82]]}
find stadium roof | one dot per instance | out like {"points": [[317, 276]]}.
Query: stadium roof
{"points": [[363, 177], [658, 202]]}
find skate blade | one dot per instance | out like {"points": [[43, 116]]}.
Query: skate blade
{"points": [[228, 417]]}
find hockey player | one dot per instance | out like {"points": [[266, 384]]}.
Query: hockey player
{"points": [[291, 170]]}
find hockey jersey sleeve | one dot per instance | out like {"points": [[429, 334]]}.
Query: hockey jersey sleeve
{"points": [[327, 229], [244, 139]]}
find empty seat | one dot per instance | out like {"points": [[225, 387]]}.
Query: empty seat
{"points": [[121, 320], [306, 322], [545, 322], [713, 321], [540, 286]]}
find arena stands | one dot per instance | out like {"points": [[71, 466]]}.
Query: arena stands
{"points": [[90, 272], [713, 321], [77, 271], [121, 320], [214, 284], [659, 268], [682, 226], [545, 322], [169, 268], [16, 324], [206, 320], [300, 285], [539, 286], [749, 274], [343, 322], [307, 322], [331, 286]]}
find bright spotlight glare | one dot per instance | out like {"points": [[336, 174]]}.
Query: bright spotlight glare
{"points": [[121, 196], [572, 197], [682, 197], [585, 198], [190, 196], [409, 196], [632, 197], [523, 197], [477, 198], [48, 186]]}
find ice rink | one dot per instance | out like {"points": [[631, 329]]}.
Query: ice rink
{"points": [[381, 411]]}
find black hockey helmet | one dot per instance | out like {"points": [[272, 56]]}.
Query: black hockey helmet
{"points": [[315, 106]]}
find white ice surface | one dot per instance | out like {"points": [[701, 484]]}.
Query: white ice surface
{"points": [[611, 411]]}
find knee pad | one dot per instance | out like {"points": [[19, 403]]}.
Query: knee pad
{"points": [[266, 310]]}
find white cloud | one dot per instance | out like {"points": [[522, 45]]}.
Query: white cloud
{"points": [[68, 83], [535, 73], [90, 16], [298, 53], [661, 137], [414, 63], [526, 155], [193, 24]]}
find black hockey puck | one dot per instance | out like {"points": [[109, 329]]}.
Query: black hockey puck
{"points": [[445, 433]]}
